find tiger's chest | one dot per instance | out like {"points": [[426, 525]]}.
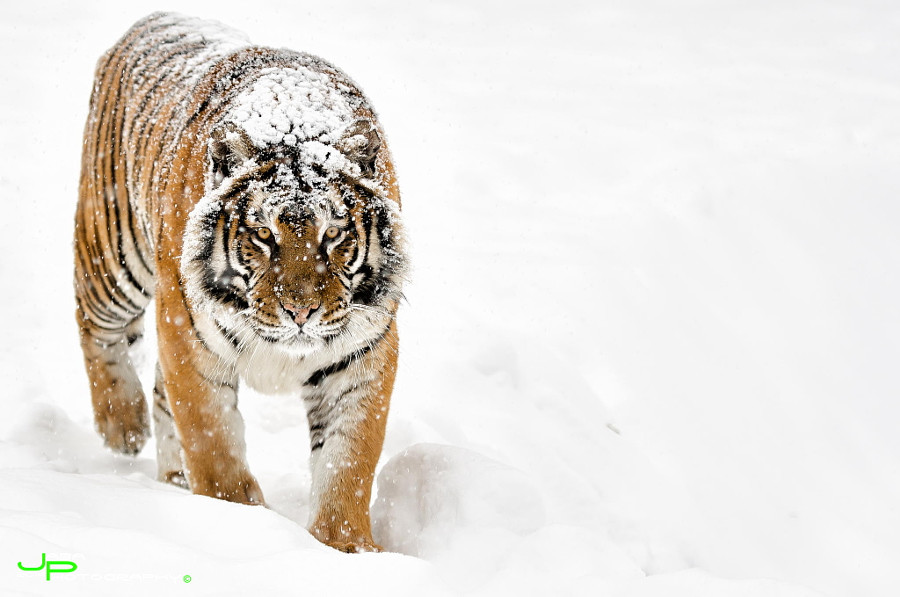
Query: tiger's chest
{"points": [[272, 371], [272, 368]]}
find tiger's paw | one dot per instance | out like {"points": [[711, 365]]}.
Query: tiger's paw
{"points": [[363, 546], [344, 537], [124, 425], [176, 478], [240, 487], [247, 492]]}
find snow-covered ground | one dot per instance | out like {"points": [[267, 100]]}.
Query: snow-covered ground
{"points": [[651, 341]]}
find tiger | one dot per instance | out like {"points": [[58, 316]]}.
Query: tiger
{"points": [[251, 193]]}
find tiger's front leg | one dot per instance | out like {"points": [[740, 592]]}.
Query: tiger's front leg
{"points": [[201, 391], [120, 409], [347, 413]]}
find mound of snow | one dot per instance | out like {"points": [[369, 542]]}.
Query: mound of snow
{"points": [[429, 493]]}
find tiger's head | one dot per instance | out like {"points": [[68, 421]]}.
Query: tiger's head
{"points": [[297, 246]]}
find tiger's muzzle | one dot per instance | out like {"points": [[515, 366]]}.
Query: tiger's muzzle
{"points": [[299, 314]]}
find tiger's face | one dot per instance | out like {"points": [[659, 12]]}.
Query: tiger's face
{"points": [[290, 251]]}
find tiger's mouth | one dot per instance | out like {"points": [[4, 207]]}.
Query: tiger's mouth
{"points": [[302, 326]]}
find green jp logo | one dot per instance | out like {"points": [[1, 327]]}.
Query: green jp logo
{"points": [[52, 566]]}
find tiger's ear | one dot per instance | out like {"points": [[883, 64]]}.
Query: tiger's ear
{"points": [[229, 147], [360, 143]]}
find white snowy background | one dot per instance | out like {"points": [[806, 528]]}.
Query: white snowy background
{"points": [[652, 336]]}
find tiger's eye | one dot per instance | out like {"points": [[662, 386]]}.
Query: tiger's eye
{"points": [[332, 232], [264, 233]]}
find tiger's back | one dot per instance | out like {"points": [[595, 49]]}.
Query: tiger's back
{"points": [[179, 162], [137, 111]]}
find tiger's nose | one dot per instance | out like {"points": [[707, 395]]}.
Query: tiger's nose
{"points": [[300, 314]]}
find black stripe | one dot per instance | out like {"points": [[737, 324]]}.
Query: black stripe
{"points": [[320, 412], [365, 290], [97, 272], [122, 254], [212, 283], [222, 293], [235, 342], [98, 307], [99, 310], [200, 337], [316, 378], [232, 229], [354, 256], [115, 227], [137, 251], [107, 192], [160, 398]]}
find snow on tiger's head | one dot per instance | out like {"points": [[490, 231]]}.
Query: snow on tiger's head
{"points": [[292, 106], [294, 240]]}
